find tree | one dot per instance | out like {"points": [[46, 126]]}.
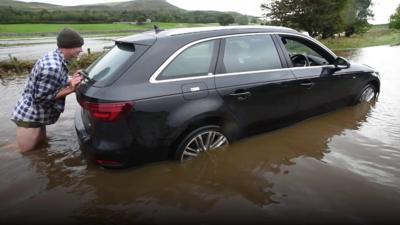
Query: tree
{"points": [[317, 17], [242, 20], [356, 14], [225, 19], [395, 19]]}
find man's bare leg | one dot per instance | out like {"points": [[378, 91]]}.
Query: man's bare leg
{"points": [[29, 138]]}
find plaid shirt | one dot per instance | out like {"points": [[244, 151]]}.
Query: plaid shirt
{"points": [[37, 104]]}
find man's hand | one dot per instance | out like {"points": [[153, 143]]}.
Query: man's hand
{"points": [[76, 80], [73, 84]]}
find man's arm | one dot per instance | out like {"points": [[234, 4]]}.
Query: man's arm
{"points": [[73, 84]]}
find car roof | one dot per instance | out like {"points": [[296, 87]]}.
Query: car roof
{"points": [[149, 37]]}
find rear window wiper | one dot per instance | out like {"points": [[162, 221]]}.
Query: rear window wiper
{"points": [[86, 76]]}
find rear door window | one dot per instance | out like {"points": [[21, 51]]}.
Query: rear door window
{"points": [[194, 61], [250, 53]]}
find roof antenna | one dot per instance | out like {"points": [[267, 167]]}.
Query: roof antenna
{"points": [[156, 29]]}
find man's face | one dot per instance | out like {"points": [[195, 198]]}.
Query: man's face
{"points": [[70, 53]]}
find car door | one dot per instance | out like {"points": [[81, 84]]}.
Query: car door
{"points": [[323, 87], [253, 81], [190, 71]]}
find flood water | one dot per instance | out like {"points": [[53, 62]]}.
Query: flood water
{"points": [[34, 48], [339, 167]]}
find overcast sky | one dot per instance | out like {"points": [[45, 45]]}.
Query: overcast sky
{"points": [[382, 8]]}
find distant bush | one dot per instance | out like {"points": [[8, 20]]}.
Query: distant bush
{"points": [[242, 20], [225, 19], [140, 20]]}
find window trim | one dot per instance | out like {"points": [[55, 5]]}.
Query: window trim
{"points": [[154, 76], [271, 70], [215, 47], [320, 47]]}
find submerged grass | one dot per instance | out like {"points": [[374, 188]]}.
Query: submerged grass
{"points": [[13, 66], [377, 35]]}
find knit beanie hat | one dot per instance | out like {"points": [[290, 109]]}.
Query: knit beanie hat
{"points": [[68, 38]]}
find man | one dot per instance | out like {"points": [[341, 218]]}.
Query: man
{"points": [[43, 98]]}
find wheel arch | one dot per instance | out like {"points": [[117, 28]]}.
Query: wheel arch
{"points": [[227, 124], [377, 85], [374, 82]]}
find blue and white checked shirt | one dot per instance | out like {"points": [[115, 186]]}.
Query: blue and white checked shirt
{"points": [[48, 76]]}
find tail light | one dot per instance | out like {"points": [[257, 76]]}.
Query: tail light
{"points": [[109, 163], [107, 112]]}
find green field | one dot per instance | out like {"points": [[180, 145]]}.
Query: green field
{"points": [[37, 30]]}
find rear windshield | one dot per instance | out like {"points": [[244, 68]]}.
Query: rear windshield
{"points": [[105, 67]]}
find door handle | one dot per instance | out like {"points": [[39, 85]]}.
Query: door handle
{"points": [[308, 85], [241, 95]]}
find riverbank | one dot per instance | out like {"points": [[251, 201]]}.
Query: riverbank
{"points": [[13, 66], [377, 35]]}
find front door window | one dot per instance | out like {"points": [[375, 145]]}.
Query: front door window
{"points": [[302, 53]]}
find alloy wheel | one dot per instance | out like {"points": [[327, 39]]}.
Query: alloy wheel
{"points": [[368, 94], [203, 142]]}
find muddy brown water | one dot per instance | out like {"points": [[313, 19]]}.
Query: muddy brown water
{"points": [[339, 167]]}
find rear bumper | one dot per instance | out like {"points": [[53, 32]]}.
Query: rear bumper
{"points": [[115, 146], [83, 136], [107, 154]]}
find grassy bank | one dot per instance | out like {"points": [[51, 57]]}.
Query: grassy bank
{"points": [[40, 30], [377, 35]]}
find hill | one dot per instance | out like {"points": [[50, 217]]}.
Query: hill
{"points": [[28, 5], [136, 5]]}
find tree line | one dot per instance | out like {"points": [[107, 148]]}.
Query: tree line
{"points": [[320, 18], [10, 15], [395, 19]]}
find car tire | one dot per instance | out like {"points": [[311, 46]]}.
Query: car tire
{"points": [[367, 94], [202, 139]]}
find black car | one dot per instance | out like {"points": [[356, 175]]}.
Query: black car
{"points": [[173, 94]]}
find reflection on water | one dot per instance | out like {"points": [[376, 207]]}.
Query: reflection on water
{"points": [[338, 167]]}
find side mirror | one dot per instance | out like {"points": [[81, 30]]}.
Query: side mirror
{"points": [[341, 63]]}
